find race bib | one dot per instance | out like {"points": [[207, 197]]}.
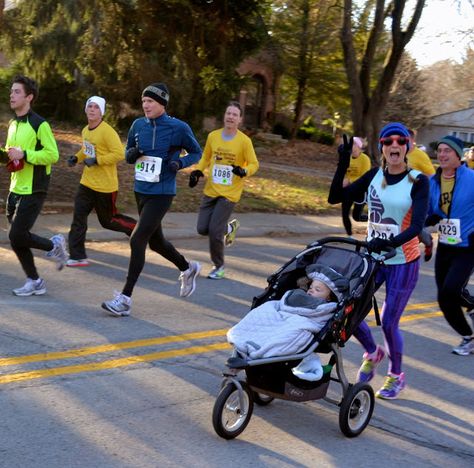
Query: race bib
{"points": [[222, 174], [148, 168], [382, 231], [88, 149], [449, 231]]}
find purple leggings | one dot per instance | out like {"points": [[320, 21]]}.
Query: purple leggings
{"points": [[400, 281]]}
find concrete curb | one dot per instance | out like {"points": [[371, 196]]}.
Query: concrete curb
{"points": [[183, 225]]}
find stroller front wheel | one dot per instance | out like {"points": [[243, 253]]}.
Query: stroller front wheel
{"points": [[356, 409], [231, 414], [261, 399]]}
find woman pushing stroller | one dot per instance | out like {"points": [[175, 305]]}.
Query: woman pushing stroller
{"points": [[397, 198]]}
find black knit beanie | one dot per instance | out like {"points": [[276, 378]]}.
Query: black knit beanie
{"points": [[158, 92]]}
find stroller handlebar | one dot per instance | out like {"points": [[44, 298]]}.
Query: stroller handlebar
{"points": [[357, 243]]}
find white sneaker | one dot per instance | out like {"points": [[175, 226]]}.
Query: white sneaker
{"points": [[72, 262], [58, 252], [119, 306], [31, 288], [465, 348], [188, 279]]}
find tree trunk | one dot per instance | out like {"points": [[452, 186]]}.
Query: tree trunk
{"points": [[368, 101]]}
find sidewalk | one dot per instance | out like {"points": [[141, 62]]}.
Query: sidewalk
{"points": [[183, 225]]}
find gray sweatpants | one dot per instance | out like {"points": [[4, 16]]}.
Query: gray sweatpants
{"points": [[214, 214]]}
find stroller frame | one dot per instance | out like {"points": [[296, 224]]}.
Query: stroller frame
{"points": [[270, 378]]}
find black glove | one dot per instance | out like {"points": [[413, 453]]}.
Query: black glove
{"points": [[377, 245], [239, 171], [4, 156], [432, 220], [175, 166], [90, 161], [345, 152], [132, 154], [194, 178], [71, 161]]}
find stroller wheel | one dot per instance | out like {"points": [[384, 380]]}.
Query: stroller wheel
{"points": [[356, 409], [231, 415], [261, 399]]}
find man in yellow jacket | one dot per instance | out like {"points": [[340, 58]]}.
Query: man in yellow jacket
{"points": [[101, 151], [229, 156]]}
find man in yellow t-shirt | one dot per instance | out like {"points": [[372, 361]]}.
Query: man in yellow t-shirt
{"points": [[101, 151], [417, 158], [359, 165], [228, 156]]}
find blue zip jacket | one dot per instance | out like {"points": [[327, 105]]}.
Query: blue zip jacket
{"points": [[462, 203], [163, 137]]}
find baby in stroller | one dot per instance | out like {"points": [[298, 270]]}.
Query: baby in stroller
{"points": [[286, 326]]}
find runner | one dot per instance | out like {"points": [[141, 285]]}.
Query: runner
{"points": [[359, 165], [154, 146], [419, 159], [30, 151], [101, 151], [229, 157], [452, 209], [397, 199]]}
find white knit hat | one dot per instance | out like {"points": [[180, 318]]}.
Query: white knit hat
{"points": [[359, 142], [100, 101]]}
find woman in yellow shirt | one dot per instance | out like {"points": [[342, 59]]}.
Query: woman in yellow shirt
{"points": [[360, 164]]}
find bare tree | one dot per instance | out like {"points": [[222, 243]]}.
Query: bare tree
{"points": [[369, 86]]}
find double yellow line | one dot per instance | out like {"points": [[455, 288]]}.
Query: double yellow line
{"points": [[156, 356]]}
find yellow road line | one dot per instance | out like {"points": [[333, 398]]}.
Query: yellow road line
{"points": [[409, 318], [110, 364], [128, 361], [74, 353]]}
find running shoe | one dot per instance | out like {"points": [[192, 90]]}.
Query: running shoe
{"points": [[465, 348], [188, 279], [467, 300], [217, 273], [367, 369], [31, 288], [58, 252], [229, 238], [119, 306], [72, 262], [392, 387]]}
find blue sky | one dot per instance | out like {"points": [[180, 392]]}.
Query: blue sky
{"points": [[440, 32]]}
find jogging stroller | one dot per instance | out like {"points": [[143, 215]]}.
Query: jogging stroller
{"points": [[262, 380]]}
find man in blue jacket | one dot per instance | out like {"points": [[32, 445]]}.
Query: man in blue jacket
{"points": [[452, 208], [154, 146]]}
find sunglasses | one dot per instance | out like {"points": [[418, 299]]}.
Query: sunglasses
{"points": [[401, 140]]}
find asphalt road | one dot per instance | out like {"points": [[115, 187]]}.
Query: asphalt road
{"points": [[79, 388]]}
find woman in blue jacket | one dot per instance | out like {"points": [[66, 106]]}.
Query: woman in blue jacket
{"points": [[451, 207]]}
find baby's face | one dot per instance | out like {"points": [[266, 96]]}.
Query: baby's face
{"points": [[319, 289]]}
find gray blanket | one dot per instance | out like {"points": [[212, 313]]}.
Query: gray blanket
{"points": [[281, 328]]}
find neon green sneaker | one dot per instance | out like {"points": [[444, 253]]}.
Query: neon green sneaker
{"points": [[217, 273], [230, 237]]}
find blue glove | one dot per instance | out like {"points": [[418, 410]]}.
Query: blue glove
{"points": [[239, 171], [132, 154], [71, 161], [377, 245], [90, 161], [175, 166]]}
